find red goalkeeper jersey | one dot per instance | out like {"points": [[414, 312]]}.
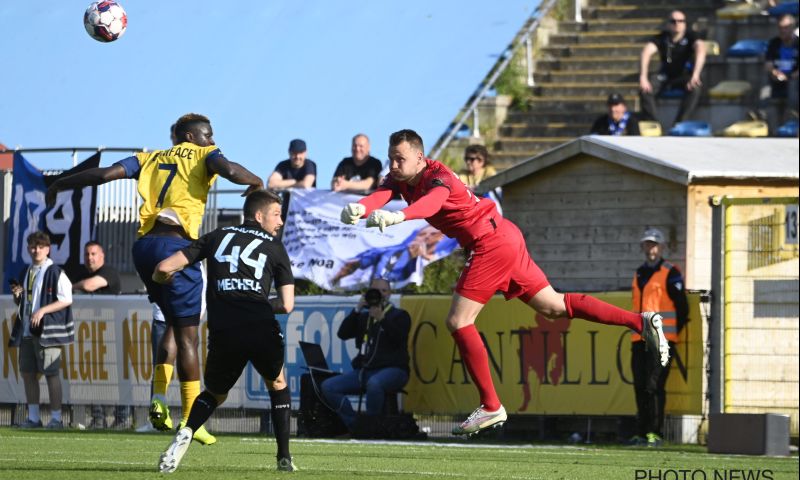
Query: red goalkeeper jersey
{"points": [[458, 213]]}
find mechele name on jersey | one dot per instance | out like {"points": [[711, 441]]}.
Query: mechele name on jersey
{"points": [[238, 284]]}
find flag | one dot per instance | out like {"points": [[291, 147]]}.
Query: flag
{"points": [[347, 257], [69, 223]]}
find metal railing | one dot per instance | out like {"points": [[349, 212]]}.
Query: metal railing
{"points": [[522, 38]]}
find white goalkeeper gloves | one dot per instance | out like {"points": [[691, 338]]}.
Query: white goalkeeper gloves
{"points": [[384, 218], [352, 212]]}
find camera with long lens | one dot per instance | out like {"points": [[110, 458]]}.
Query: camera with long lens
{"points": [[373, 297]]}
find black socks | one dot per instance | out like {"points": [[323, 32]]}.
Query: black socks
{"points": [[281, 413]]}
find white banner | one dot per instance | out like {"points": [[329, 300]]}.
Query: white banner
{"points": [[110, 361], [336, 256]]}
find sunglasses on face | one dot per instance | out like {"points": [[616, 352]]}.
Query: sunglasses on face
{"points": [[472, 159], [676, 20]]}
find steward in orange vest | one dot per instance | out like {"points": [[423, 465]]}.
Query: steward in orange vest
{"points": [[657, 287], [660, 288]]}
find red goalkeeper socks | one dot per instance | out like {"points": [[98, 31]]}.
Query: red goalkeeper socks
{"points": [[473, 352], [589, 308]]}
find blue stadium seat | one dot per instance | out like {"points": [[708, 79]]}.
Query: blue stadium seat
{"points": [[788, 129], [691, 129], [791, 7], [748, 48]]}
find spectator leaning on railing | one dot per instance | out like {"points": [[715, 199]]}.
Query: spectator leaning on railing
{"points": [[298, 171], [359, 172]]}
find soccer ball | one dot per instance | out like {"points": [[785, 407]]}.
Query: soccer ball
{"points": [[105, 21]]}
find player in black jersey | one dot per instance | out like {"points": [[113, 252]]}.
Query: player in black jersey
{"points": [[243, 262]]}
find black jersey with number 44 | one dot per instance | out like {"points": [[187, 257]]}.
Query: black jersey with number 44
{"points": [[243, 262]]}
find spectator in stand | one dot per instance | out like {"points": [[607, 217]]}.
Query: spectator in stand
{"points": [[683, 56], [477, 166], [298, 171], [618, 121], [43, 325], [100, 279], [781, 66], [360, 172]]}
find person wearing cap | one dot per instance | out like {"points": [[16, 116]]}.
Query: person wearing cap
{"points": [[658, 286], [298, 171], [683, 55], [618, 120]]}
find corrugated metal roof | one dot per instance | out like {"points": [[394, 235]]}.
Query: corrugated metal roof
{"points": [[678, 159]]}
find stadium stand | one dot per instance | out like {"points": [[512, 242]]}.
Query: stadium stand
{"points": [[579, 63]]}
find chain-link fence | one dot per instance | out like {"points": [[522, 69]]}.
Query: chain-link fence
{"points": [[756, 277]]}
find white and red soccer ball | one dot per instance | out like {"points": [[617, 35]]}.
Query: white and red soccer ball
{"points": [[105, 21]]}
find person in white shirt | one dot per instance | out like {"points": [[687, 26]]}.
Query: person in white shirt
{"points": [[43, 325]]}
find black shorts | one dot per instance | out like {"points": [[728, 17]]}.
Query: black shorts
{"points": [[261, 344]]}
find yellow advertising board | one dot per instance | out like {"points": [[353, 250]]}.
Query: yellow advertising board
{"points": [[542, 366]]}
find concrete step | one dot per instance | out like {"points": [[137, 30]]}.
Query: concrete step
{"points": [[559, 89], [585, 76], [541, 116], [692, 11], [587, 104], [622, 63], [679, 4], [616, 25], [518, 145], [594, 50], [638, 37], [553, 129]]}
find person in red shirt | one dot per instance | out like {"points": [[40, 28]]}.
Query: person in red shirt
{"points": [[498, 260]]}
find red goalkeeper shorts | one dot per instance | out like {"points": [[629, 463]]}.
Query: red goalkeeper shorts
{"points": [[500, 262]]}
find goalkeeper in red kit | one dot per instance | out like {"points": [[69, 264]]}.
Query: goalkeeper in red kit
{"points": [[498, 260]]}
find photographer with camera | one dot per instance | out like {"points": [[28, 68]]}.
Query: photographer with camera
{"points": [[381, 366]]}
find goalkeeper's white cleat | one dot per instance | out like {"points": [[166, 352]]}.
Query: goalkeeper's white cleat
{"points": [[481, 419], [653, 334], [171, 458]]}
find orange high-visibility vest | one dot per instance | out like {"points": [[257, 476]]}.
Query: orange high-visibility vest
{"points": [[655, 298]]}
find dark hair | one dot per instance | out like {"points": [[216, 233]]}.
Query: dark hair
{"points": [[479, 150], [406, 135], [257, 201], [38, 238], [92, 243], [187, 123]]}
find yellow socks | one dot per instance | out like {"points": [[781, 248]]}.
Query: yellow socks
{"points": [[161, 379], [189, 391]]}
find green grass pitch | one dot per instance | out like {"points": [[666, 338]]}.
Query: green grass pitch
{"points": [[73, 454]]}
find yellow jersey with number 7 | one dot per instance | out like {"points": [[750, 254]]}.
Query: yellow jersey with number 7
{"points": [[175, 179]]}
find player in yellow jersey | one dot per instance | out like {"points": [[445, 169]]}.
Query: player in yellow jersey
{"points": [[173, 185]]}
